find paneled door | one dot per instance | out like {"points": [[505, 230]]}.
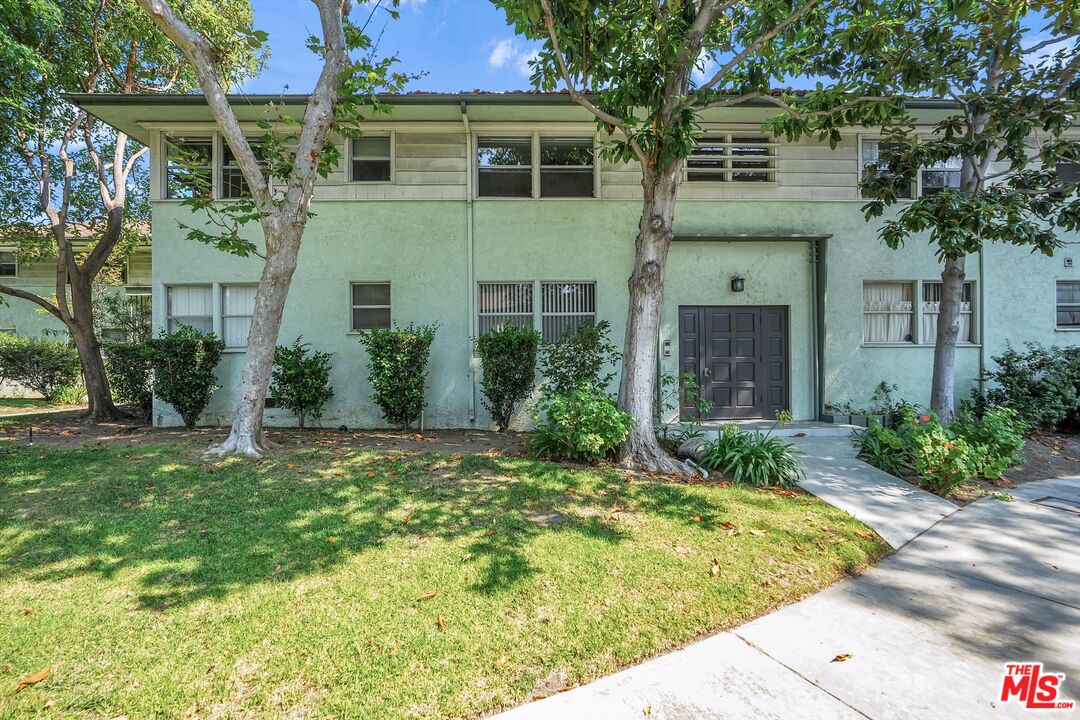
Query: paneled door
{"points": [[739, 356]]}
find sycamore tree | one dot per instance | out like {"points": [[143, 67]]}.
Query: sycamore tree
{"points": [[1010, 69], [68, 184], [280, 166], [631, 63]]}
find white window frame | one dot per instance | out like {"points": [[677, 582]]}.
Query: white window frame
{"points": [[392, 135], [946, 168], [165, 142], [772, 172], [168, 305], [353, 306], [1064, 328], [974, 337], [15, 257], [914, 190], [534, 138], [915, 305], [540, 310], [540, 167], [221, 287]]}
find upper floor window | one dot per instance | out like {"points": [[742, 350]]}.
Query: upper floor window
{"points": [[940, 176], [871, 157], [732, 158], [189, 168], [370, 159], [233, 183], [1068, 304], [9, 266], [931, 310], [1068, 171], [190, 305], [887, 312], [504, 167], [566, 167]]}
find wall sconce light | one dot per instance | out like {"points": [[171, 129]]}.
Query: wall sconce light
{"points": [[738, 283]]}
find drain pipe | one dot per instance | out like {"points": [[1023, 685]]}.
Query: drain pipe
{"points": [[471, 262], [982, 318], [815, 329]]}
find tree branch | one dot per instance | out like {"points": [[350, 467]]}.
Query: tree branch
{"points": [[757, 43], [36, 299], [579, 98]]}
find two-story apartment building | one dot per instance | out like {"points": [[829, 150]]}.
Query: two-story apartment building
{"points": [[475, 209]]}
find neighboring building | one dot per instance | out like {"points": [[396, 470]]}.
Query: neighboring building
{"points": [[476, 209], [23, 317]]}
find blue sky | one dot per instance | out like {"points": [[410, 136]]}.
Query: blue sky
{"points": [[461, 44]]}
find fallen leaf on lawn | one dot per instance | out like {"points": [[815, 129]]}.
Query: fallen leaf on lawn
{"points": [[371, 473], [330, 539], [6, 668], [290, 465], [393, 650], [148, 488], [126, 505], [696, 518], [35, 678], [441, 623], [277, 569], [799, 435], [757, 531], [187, 494], [491, 532], [616, 510], [843, 657], [428, 595], [715, 569], [865, 534], [407, 520], [569, 489]]}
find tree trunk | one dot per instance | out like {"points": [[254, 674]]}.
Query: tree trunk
{"points": [[81, 328], [948, 331], [246, 436], [637, 388]]}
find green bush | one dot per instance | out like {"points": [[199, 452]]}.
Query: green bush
{"points": [[945, 457], [508, 358], [1042, 385], [129, 366], [756, 458], [584, 425], [583, 357], [43, 364], [398, 371], [996, 439], [300, 380], [71, 394], [183, 363]]}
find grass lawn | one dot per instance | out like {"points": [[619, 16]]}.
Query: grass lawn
{"points": [[10, 406], [334, 582]]}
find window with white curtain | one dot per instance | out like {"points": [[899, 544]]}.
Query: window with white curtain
{"points": [[191, 305], [931, 309], [504, 303], [887, 312], [237, 307], [1068, 304], [565, 307]]}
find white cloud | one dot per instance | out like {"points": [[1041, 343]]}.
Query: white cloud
{"points": [[702, 67], [507, 53], [413, 4]]}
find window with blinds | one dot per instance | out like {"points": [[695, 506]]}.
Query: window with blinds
{"points": [[565, 307], [732, 158], [237, 307], [190, 305], [931, 309], [1068, 304], [503, 303]]}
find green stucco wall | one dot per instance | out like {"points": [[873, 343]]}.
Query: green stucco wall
{"points": [[420, 247]]}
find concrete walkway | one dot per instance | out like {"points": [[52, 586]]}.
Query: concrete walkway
{"points": [[926, 631]]}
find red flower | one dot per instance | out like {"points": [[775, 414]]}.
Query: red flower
{"points": [[924, 418]]}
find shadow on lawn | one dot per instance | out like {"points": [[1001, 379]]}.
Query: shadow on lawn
{"points": [[189, 529]]}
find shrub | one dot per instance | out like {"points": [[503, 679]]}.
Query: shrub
{"points": [[300, 380], [1042, 385], [584, 424], [884, 448], [70, 394], [672, 394], [398, 372], [756, 458], [183, 363], [129, 366], [582, 357], [508, 358], [43, 364], [996, 439], [938, 455]]}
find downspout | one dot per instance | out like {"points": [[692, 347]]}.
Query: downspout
{"points": [[815, 329], [471, 260], [982, 318]]}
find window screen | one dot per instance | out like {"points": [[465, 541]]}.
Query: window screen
{"points": [[504, 167], [566, 167]]}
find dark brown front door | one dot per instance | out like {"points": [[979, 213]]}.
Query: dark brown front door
{"points": [[739, 356]]}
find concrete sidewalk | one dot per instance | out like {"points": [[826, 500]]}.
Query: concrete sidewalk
{"points": [[927, 632]]}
